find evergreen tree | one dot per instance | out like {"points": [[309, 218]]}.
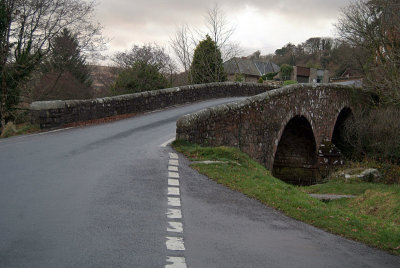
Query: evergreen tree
{"points": [[207, 63], [67, 57]]}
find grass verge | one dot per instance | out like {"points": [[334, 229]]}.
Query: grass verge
{"points": [[11, 130], [352, 220]]}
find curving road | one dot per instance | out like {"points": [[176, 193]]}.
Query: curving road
{"points": [[97, 197]]}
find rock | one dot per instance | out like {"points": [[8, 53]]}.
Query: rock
{"points": [[329, 197], [358, 174], [370, 175]]}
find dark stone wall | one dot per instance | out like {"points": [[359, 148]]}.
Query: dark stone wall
{"points": [[256, 124], [50, 114]]}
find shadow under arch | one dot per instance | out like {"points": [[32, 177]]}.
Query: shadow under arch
{"points": [[295, 158], [340, 136]]}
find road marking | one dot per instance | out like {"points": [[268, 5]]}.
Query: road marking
{"points": [[174, 213], [175, 227], [173, 182], [167, 142], [173, 174], [173, 156], [52, 131], [173, 191], [174, 201], [173, 168], [19, 139], [173, 162], [175, 243], [176, 262]]}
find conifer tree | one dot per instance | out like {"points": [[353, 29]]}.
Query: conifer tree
{"points": [[67, 57], [207, 63]]}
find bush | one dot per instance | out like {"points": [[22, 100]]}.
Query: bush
{"points": [[269, 76], [8, 130], [375, 134], [286, 71], [260, 80], [239, 78], [289, 82], [140, 77]]}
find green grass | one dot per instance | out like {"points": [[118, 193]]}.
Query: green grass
{"points": [[372, 218], [352, 188]]}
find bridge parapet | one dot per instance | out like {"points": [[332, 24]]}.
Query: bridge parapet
{"points": [[282, 129], [50, 114]]}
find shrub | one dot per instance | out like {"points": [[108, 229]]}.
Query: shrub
{"points": [[289, 82], [140, 77], [260, 80], [269, 76], [375, 134], [8, 130], [239, 78], [286, 71]]}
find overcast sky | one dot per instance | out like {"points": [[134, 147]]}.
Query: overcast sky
{"points": [[264, 25]]}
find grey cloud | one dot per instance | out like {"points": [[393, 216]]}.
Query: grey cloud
{"points": [[178, 11], [138, 19]]}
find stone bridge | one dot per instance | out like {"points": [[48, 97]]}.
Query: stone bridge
{"points": [[291, 130], [295, 131]]}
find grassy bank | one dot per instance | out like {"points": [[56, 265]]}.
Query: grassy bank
{"points": [[366, 217]]}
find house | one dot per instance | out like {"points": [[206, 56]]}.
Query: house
{"points": [[251, 70], [309, 75]]}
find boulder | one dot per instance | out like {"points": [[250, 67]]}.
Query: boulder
{"points": [[358, 174]]}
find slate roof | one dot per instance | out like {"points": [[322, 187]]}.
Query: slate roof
{"points": [[250, 67]]}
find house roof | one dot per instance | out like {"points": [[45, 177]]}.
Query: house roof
{"points": [[250, 67]]}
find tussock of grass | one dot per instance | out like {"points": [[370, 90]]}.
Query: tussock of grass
{"points": [[13, 130], [354, 219]]}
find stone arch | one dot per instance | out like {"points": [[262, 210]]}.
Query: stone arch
{"points": [[295, 159], [339, 130]]}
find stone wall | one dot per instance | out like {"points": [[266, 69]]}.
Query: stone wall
{"points": [[256, 124], [50, 114]]}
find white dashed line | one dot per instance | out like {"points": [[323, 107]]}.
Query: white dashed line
{"points": [[173, 174], [174, 201], [173, 182], [173, 156], [173, 191], [173, 168], [176, 262], [175, 214], [175, 243], [175, 227], [173, 162]]}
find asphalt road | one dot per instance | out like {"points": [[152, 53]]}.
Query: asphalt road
{"points": [[96, 196]]}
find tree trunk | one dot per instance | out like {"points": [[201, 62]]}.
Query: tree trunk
{"points": [[3, 108]]}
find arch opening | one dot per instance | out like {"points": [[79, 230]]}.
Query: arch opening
{"points": [[295, 158], [340, 136]]}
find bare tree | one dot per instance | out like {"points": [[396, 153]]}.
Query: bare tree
{"points": [[183, 45], [148, 57], [26, 30], [373, 27], [147, 54], [221, 31], [217, 27]]}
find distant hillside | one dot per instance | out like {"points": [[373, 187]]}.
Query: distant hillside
{"points": [[103, 77]]}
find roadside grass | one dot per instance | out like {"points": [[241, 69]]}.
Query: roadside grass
{"points": [[372, 218], [11, 130]]}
